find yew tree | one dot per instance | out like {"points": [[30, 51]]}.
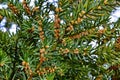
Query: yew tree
{"points": [[60, 40]]}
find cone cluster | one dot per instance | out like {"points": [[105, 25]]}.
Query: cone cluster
{"points": [[41, 32], [1, 17], [13, 8], [26, 7], [57, 26], [117, 44], [27, 68]]}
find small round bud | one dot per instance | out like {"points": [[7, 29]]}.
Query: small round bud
{"points": [[42, 50]]}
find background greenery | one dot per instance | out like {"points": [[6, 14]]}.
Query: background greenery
{"points": [[59, 47]]}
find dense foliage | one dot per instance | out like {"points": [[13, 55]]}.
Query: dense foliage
{"points": [[53, 40]]}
